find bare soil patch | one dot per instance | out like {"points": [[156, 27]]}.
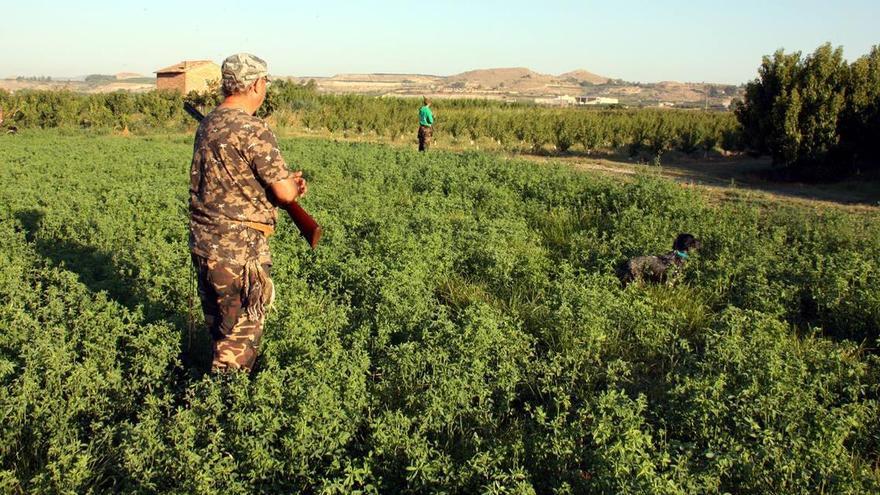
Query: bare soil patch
{"points": [[736, 177]]}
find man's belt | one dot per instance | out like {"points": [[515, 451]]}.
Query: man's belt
{"points": [[265, 228]]}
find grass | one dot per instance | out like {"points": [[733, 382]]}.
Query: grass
{"points": [[738, 178]]}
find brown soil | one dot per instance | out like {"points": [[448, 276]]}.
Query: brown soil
{"points": [[737, 178]]}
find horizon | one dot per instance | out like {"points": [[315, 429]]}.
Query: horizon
{"points": [[645, 43], [80, 77]]}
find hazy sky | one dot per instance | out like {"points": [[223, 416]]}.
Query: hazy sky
{"points": [[719, 41]]}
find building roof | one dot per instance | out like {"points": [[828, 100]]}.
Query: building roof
{"points": [[184, 66]]}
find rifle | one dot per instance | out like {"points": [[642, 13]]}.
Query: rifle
{"points": [[308, 227]]}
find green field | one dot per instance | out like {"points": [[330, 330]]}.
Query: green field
{"points": [[459, 330]]}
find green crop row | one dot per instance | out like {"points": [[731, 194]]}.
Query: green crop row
{"points": [[459, 330]]}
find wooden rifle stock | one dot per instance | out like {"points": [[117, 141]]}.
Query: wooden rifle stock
{"points": [[308, 227]]}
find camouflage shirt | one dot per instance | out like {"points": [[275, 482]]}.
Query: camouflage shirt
{"points": [[235, 159]]}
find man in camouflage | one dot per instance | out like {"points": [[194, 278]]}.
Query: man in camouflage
{"points": [[237, 179]]}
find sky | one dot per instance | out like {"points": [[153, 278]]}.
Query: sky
{"points": [[643, 41]]}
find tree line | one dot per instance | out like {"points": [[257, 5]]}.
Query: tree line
{"points": [[815, 115], [511, 126]]}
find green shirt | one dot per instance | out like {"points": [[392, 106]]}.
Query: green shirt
{"points": [[425, 116]]}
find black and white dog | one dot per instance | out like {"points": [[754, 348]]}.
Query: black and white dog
{"points": [[655, 268]]}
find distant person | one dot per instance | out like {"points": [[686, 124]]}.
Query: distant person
{"points": [[237, 179], [426, 123]]}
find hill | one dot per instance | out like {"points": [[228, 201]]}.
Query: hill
{"points": [[500, 77], [581, 75], [522, 83]]}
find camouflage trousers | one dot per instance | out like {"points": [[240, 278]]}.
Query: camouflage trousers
{"points": [[426, 132], [235, 299]]}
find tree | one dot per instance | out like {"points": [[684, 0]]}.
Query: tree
{"points": [[792, 110], [860, 124], [563, 133]]}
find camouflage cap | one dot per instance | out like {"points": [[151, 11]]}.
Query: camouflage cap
{"points": [[242, 69]]}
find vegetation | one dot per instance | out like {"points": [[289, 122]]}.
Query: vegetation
{"points": [[815, 114], [153, 111], [645, 134], [99, 78], [34, 78], [459, 330]]}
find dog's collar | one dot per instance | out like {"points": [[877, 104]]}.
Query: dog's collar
{"points": [[681, 254]]}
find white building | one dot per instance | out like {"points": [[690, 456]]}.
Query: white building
{"points": [[563, 100], [596, 100]]}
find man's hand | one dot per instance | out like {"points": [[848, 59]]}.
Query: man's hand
{"points": [[301, 185], [289, 190]]}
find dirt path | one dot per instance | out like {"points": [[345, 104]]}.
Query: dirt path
{"points": [[735, 178]]}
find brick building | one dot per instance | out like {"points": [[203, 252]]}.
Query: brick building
{"points": [[189, 75]]}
